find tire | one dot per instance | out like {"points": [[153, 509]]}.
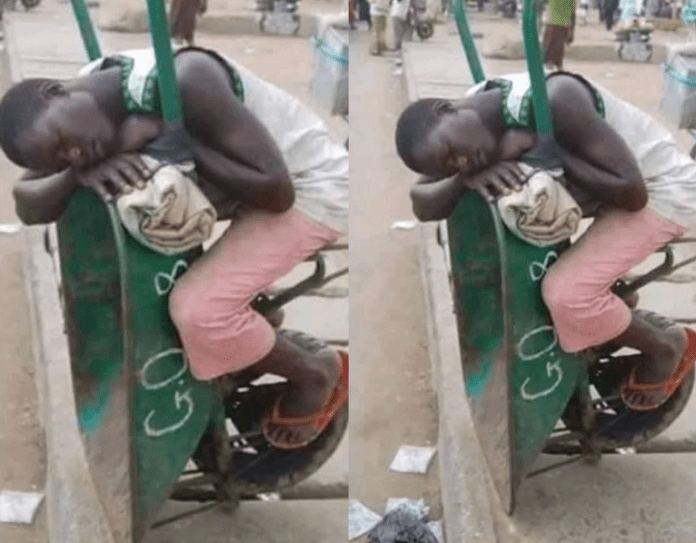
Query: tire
{"points": [[692, 154], [425, 30], [30, 4], [298, 22], [626, 427], [279, 468]]}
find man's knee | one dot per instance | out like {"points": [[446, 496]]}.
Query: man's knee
{"points": [[187, 307], [556, 291]]}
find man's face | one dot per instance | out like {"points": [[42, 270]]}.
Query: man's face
{"points": [[460, 143], [71, 132]]}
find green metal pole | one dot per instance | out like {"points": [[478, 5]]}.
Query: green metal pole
{"points": [[535, 66], [467, 39], [84, 22], [166, 76]]}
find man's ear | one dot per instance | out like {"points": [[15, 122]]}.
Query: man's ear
{"points": [[442, 107], [53, 89]]}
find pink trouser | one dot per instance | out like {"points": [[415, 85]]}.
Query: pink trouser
{"points": [[576, 288], [210, 302]]}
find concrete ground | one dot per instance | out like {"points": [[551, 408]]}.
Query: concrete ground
{"points": [[284, 61], [643, 497], [391, 374]]}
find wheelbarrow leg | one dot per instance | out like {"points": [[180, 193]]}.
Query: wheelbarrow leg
{"points": [[590, 448]]}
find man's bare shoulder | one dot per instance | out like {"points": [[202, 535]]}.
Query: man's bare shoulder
{"points": [[198, 69], [567, 89]]}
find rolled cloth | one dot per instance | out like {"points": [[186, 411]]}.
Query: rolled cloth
{"points": [[543, 213]]}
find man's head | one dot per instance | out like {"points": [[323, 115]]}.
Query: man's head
{"points": [[47, 128], [435, 138]]}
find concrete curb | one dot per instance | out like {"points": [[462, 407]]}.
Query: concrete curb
{"points": [[75, 514], [585, 52], [214, 23], [464, 484]]}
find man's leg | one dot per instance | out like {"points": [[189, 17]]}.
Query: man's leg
{"points": [[222, 334], [400, 29], [586, 313], [379, 27]]}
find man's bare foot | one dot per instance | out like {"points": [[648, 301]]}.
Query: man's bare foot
{"points": [[293, 419], [647, 387]]}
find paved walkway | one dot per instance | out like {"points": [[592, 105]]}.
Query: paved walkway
{"points": [[644, 497], [45, 43]]}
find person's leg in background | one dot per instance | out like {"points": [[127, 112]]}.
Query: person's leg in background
{"points": [[399, 15], [557, 32], [221, 334], [379, 10], [182, 16]]}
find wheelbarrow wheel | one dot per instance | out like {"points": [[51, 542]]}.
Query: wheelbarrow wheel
{"points": [[616, 424], [425, 30], [30, 4], [260, 467]]}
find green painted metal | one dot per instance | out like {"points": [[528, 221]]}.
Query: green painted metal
{"points": [[125, 352], [467, 40], [535, 67], [166, 76], [84, 22], [517, 379], [140, 411]]}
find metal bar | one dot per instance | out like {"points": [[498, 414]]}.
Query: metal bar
{"points": [[303, 491], [467, 40], [337, 342], [663, 269], [313, 281], [570, 436], [312, 491], [649, 447], [540, 98], [166, 76], [184, 515], [137, 525], [199, 480], [556, 465], [683, 263], [335, 247], [84, 23]]}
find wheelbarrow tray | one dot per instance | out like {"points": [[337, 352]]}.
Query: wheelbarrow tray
{"points": [[141, 413], [517, 379]]}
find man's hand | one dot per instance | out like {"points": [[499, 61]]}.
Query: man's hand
{"points": [[497, 180], [115, 176]]}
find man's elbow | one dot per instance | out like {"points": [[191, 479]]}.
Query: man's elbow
{"points": [[635, 196], [281, 194], [424, 210], [29, 214], [31, 217]]}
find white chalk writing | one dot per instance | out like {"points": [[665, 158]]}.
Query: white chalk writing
{"points": [[164, 282], [537, 270], [153, 360], [532, 333], [550, 368], [179, 398]]}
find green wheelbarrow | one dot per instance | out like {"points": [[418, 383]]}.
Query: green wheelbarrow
{"points": [[151, 432], [526, 395]]}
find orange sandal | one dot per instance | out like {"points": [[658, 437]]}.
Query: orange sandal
{"points": [[319, 421], [667, 387]]}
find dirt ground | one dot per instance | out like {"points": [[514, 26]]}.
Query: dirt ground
{"points": [[22, 445]]}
